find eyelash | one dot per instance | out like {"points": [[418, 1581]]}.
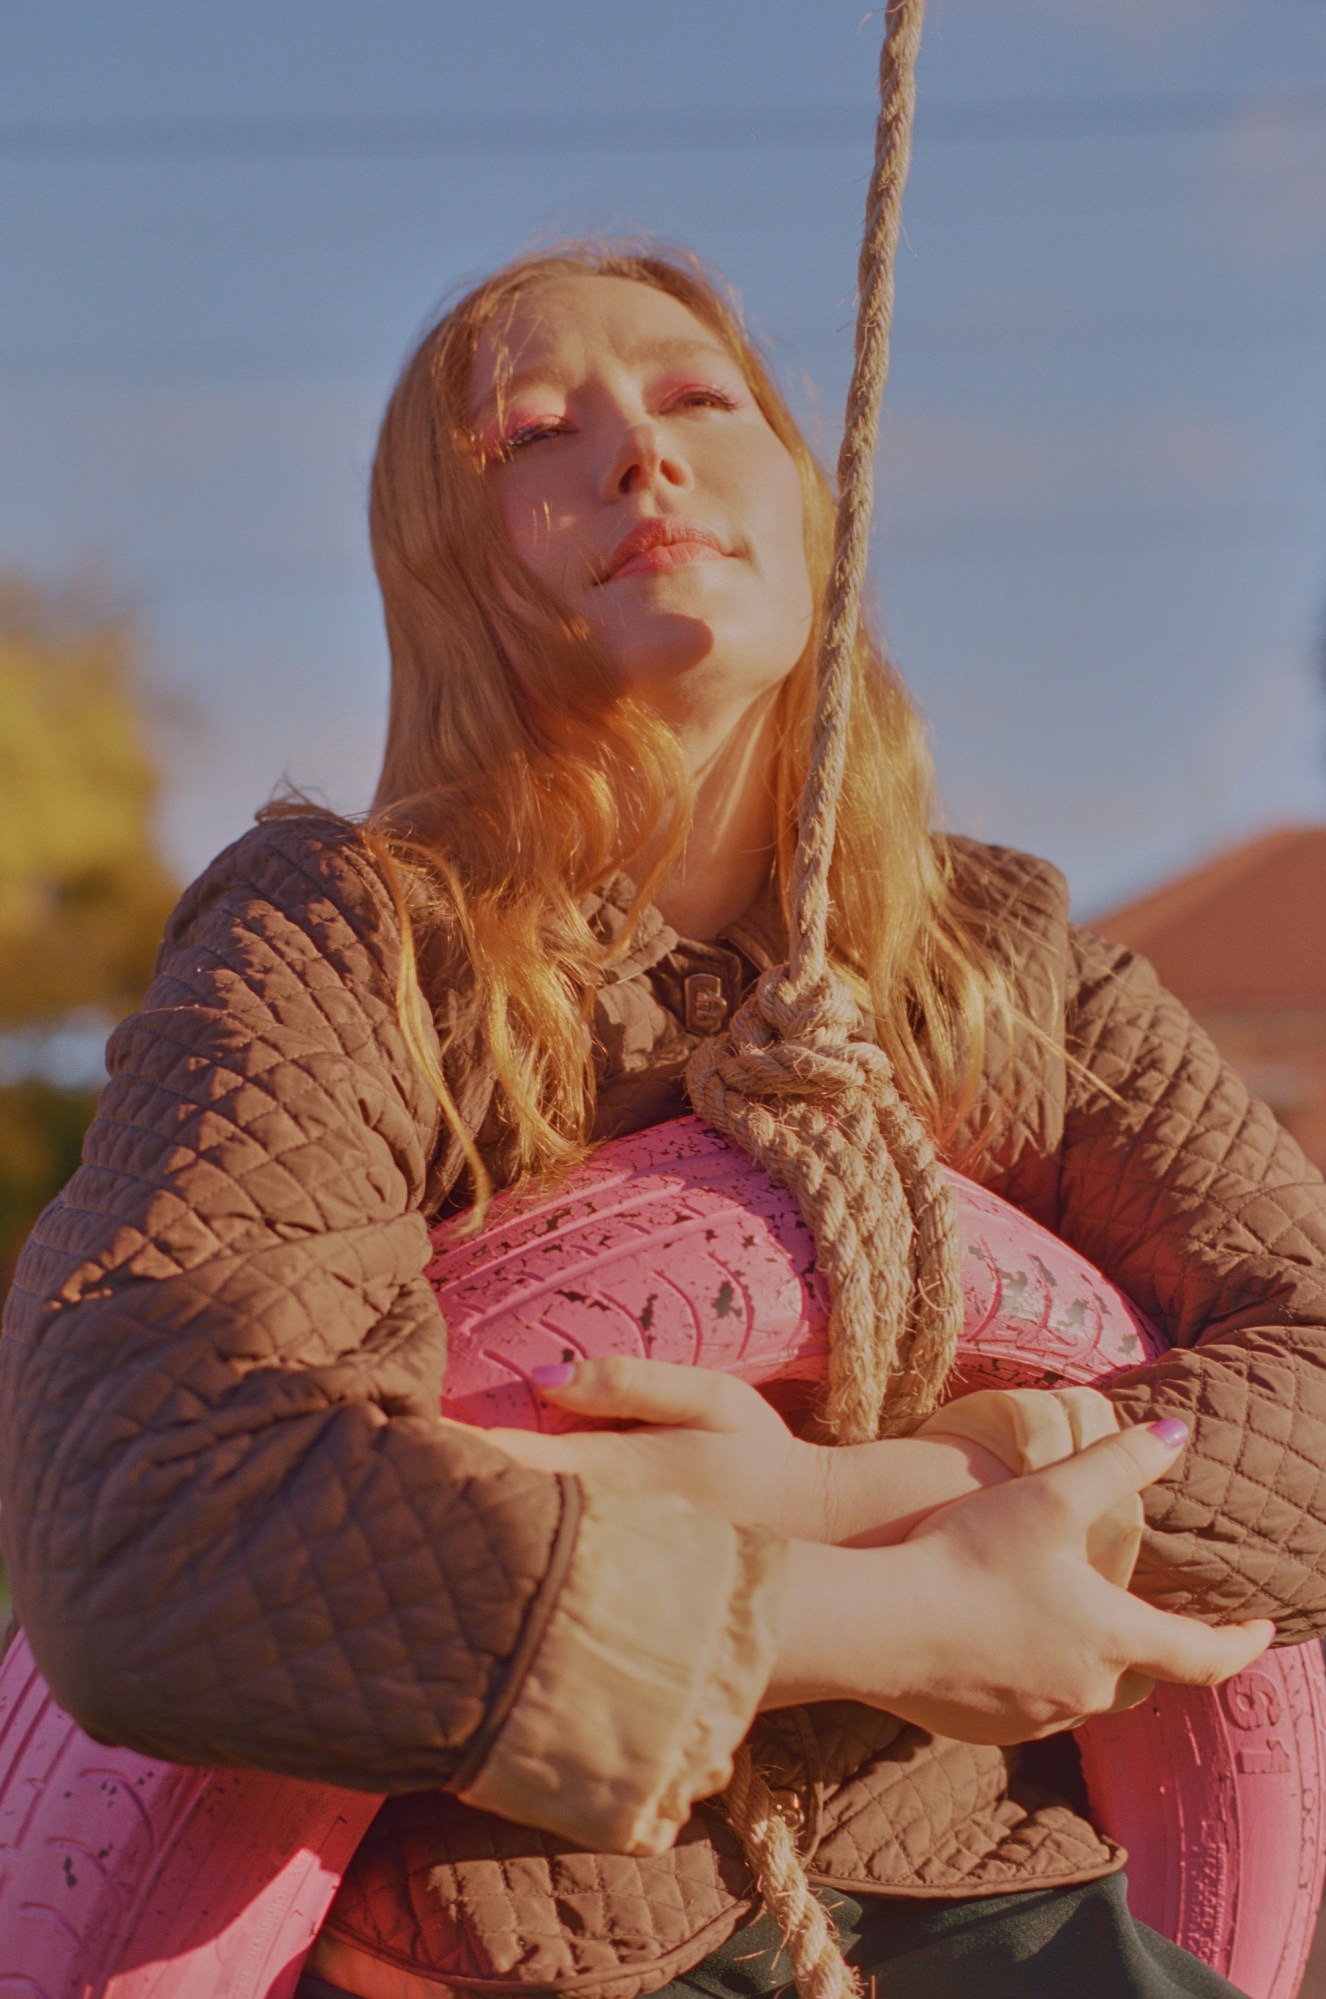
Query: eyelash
{"points": [[531, 433]]}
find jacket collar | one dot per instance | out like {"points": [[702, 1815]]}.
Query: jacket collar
{"points": [[759, 934]]}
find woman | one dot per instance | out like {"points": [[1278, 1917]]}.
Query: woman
{"points": [[237, 1530]]}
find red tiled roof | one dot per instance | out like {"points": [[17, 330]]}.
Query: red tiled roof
{"points": [[1246, 930]]}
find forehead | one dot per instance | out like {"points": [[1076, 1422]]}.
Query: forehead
{"points": [[560, 327]]}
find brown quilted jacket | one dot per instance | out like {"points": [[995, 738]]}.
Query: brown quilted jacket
{"points": [[237, 1532]]}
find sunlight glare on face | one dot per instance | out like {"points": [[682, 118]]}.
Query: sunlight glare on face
{"points": [[639, 480]]}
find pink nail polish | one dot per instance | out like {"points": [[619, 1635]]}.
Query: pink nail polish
{"points": [[555, 1374], [1172, 1431]]}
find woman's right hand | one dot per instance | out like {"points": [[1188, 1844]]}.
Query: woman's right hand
{"points": [[989, 1623]]}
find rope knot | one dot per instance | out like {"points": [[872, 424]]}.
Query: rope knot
{"points": [[819, 1011], [756, 1060]]}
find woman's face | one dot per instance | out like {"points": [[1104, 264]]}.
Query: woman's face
{"points": [[638, 479]]}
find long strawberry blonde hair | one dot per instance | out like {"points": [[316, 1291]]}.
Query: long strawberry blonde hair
{"points": [[517, 779]]}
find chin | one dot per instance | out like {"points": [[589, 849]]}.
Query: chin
{"points": [[667, 648]]}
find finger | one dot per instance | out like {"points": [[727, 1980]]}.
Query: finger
{"points": [[1186, 1653], [1132, 1689], [1098, 1477], [627, 1388]]}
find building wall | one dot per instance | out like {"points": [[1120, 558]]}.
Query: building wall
{"points": [[1281, 1056]]}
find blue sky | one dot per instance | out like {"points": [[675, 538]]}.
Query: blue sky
{"points": [[1101, 545]]}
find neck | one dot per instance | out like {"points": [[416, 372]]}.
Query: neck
{"points": [[730, 848]]}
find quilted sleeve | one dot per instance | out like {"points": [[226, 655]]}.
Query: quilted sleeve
{"points": [[1189, 1195], [236, 1528]]}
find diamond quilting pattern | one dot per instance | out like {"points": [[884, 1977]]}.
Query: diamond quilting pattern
{"points": [[472, 1897], [223, 1321], [215, 1324], [1200, 1206], [940, 1817]]}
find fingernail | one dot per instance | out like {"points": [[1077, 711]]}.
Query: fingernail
{"points": [[555, 1374], [1172, 1431]]}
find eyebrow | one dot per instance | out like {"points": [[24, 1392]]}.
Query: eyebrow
{"points": [[678, 348]]}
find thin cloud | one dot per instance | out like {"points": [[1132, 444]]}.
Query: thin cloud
{"points": [[1269, 188], [1140, 22], [1265, 741], [941, 457]]}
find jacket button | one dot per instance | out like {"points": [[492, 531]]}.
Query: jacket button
{"points": [[791, 1809], [706, 1005]]}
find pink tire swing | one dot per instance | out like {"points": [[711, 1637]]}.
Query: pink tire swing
{"points": [[124, 1878]]}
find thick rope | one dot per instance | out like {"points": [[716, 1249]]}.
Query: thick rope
{"points": [[796, 1079], [818, 1966]]}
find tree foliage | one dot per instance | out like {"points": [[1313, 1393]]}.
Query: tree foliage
{"points": [[83, 890], [41, 1138]]}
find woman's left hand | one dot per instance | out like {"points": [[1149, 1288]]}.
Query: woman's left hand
{"points": [[714, 1439], [708, 1436]]}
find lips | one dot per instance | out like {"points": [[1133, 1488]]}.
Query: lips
{"points": [[659, 534]]}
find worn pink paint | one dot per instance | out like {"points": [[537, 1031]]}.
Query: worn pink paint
{"points": [[124, 1878]]}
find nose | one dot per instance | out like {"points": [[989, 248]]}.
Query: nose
{"points": [[644, 456]]}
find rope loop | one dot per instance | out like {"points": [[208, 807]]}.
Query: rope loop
{"points": [[796, 1080]]}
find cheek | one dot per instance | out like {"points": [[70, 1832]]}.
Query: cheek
{"points": [[520, 518], [530, 522], [786, 530]]}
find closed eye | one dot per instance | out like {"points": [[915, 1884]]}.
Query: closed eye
{"points": [[703, 396], [706, 396], [532, 433]]}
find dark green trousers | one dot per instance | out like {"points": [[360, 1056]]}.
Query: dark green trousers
{"points": [[1066, 1943]]}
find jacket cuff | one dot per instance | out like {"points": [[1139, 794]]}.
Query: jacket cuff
{"points": [[1029, 1428], [648, 1674]]}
